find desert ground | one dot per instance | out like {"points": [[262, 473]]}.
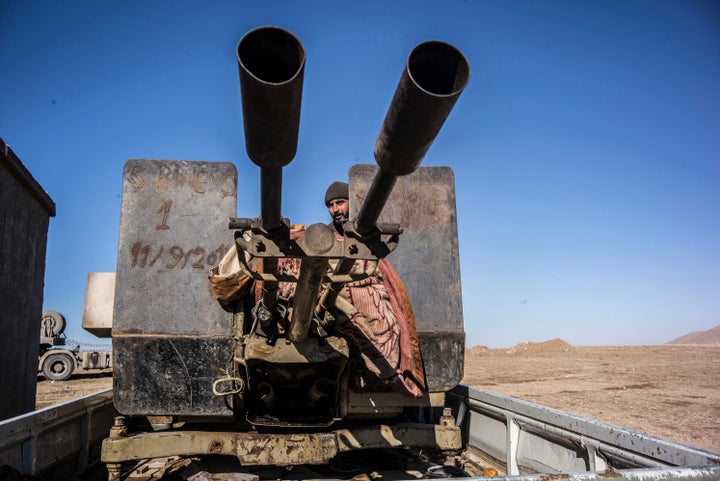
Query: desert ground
{"points": [[669, 390]]}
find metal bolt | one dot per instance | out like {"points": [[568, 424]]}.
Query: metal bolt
{"points": [[447, 419], [118, 428]]}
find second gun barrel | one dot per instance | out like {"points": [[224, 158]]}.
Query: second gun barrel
{"points": [[271, 63]]}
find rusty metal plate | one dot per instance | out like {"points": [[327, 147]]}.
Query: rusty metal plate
{"points": [[165, 375], [173, 229], [443, 356], [428, 261]]}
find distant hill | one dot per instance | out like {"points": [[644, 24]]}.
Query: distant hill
{"points": [[711, 336], [551, 346]]}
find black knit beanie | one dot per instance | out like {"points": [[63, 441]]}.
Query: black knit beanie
{"points": [[337, 190]]}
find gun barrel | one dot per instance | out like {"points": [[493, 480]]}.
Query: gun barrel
{"points": [[271, 63], [435, 75]]}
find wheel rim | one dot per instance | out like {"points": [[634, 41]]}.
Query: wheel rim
{"points": [[58, 367]]}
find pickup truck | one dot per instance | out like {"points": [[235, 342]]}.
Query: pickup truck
{"points": [[215, 383]]}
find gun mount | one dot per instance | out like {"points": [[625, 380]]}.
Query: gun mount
{"points": [[271, 65], [284, 353]]}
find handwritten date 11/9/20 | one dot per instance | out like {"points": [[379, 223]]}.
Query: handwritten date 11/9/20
{"points": [[145, 255]]}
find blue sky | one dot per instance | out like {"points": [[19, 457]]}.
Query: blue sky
{"points": [[586, 147]]}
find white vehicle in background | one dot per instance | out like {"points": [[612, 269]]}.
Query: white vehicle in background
{"points": [[57, 360]]}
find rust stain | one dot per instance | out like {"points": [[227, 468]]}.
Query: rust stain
{"points": [[609, 473], [216, 446], [554, 477]]}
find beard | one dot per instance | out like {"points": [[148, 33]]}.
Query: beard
{"points": [[338, 220]]}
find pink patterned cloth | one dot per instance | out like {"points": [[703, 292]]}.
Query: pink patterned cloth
{"points": [[381, 322]]}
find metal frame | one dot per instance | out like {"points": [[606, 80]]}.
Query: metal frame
{"points": [[254, 449], [60, 440], [524, 437]]}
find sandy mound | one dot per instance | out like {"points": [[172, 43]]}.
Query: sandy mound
{"points": [[551, 346], [711, 336], [478, 349]]}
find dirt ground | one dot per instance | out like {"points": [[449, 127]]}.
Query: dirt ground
{"points": [[670, 390]]}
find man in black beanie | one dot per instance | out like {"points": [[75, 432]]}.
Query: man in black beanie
{"points": [[338, 204]]}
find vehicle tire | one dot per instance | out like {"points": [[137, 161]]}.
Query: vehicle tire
{"points": [[58, 367], [54, 321]]}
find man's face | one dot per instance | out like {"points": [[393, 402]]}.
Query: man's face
{"points": [[339, 210]]}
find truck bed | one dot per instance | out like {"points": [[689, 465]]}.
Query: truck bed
{"points": [[518, 439]]}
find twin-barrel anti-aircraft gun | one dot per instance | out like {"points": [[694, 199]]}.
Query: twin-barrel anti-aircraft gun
{"points": [[285, 387]]}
